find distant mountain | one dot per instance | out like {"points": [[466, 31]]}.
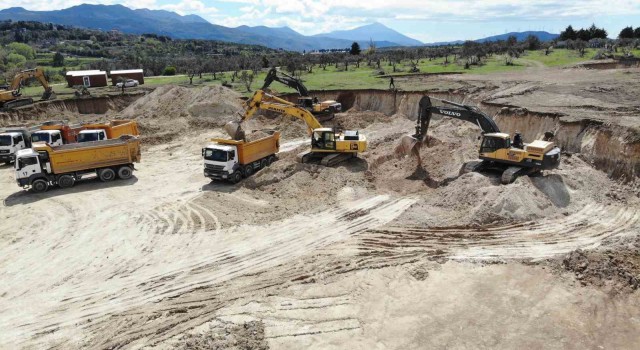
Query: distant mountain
{"points": [[107, 17], [375, 31], [543, 36]]}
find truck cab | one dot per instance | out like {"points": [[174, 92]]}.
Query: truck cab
{"points": [[28, 166], [220, 161], [52, 137], [10, 143], [92, 135]]}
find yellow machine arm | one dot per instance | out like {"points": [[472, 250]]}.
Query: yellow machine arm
{"points": [[30, 73], [276, 104]]}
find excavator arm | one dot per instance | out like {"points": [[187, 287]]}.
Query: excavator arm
{"points": [[286, 80], [37, 73], [263, 101], [454, 110]]}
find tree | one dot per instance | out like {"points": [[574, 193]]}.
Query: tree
{"points": [[58, 60], [597, 33], [580, 45], [170, 70], [247, 79], [355, 48], [583, 35], [533, 42], [23, 49], [16, 60], [636, 33], [626, 33], [568, 34]]}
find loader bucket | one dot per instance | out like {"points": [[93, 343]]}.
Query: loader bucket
{"points": [[408, 146], [234, 130]]}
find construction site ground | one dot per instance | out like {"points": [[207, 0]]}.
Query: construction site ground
{"points": [[383, 252]]}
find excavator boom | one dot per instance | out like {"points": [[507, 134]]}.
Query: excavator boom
{"points": [[286, 80], [11, 96]]}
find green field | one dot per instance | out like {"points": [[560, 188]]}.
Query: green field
{"points": [[336, 78]]}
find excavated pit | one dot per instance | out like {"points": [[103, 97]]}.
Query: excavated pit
{"points": [[174, 260]]}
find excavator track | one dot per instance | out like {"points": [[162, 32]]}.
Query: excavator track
{"points": [[511, 174], [325, 159], [18, 103]]}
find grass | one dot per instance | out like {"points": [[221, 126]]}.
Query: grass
{"points": [[333, 78]]}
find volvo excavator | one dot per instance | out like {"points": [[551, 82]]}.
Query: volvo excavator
{"points": [[11, 97], [497, 150], [324, 110], [328, 146]]}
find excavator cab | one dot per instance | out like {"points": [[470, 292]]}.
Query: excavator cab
{"points": [[324, 139], [493, 142]]}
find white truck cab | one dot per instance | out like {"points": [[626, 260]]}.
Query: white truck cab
{"points": [[10, 143], [52, 137], [221, 160], [27, 166], [92, 135]]}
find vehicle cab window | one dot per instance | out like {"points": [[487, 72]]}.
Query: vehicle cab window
{"points": [[55, 138], [26, 161], [492, 144]]}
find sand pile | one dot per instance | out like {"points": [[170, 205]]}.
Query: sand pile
{"points": [[256, 135], [168, 110], [359, 120]]}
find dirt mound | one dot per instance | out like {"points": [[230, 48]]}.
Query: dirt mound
{"points": [[170, 110], [618, 270], [256, 135]]}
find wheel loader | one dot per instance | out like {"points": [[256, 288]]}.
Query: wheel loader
{"points": [[498, 151]]}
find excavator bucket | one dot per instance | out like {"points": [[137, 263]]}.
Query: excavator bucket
{"points": [[234, 129], [408, 146]]}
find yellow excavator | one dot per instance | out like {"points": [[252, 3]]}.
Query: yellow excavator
{"points": [[328, 146], [11, 97], [497, 150]]}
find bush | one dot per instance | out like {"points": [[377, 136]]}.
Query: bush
{"points": [[170, 70]]}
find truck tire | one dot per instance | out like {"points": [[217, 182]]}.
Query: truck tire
{"points": [[125, 172], [106, 174], [270, 161], [66, 181], [264, 163], [39, 186], [235, 177], [248, 170]]}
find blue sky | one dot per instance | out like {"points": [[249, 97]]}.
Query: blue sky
{"points": [[424, 20]]}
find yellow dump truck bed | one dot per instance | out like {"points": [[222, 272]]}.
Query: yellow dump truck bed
{"points": [[251, 151], [92, 155], [116, 128]]}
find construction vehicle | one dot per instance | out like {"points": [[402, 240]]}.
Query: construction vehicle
{"points": [[234, 159], [44, 166], [497, 150], [328, 146], [81, 91], [57, 133], [13, 140], [108, 131], [11, 97], [324, 110]]}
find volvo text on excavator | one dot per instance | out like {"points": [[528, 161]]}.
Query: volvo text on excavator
{"points": [[328, 146], [324, 110], [497, 150], [11, 97]]}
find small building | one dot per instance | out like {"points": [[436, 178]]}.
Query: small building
{"points": [[87, 78], [136, 74]]}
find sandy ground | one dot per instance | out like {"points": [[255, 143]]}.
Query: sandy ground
{"points": [[377, 253]]}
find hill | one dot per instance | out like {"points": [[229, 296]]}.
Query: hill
{"points": [[375, 31], [107, 17], [542, 35]]}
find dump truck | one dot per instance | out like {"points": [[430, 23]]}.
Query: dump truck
{"points": [[43, 166], [13, 140], [231, 160], [108, 131], [57, 133]]}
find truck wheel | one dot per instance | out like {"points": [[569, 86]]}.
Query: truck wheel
{"points": [[66, 181], [264, 163], [248, 170], [270, 160], [39, 186], [125, 172], [236, 177], [106, 174]]}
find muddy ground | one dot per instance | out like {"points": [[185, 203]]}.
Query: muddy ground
{"points": [[376, 253]]}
